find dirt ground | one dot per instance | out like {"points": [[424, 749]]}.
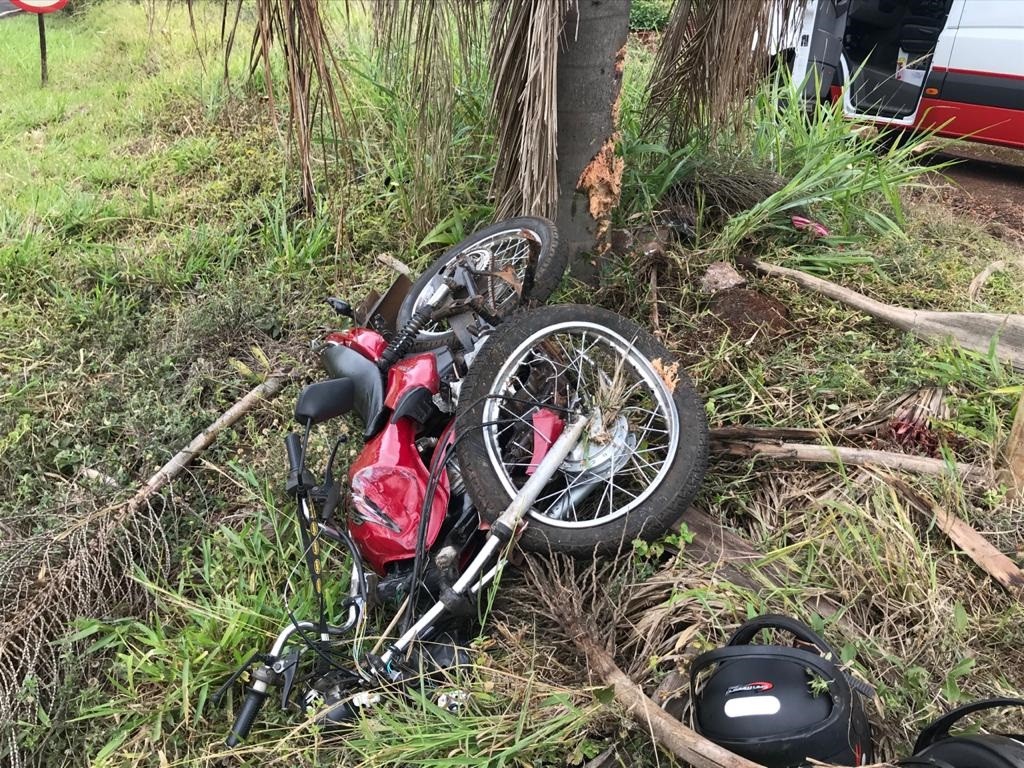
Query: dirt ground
{"points": [[987, 183]]}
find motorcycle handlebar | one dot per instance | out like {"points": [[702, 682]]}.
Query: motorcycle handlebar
{"points": [[293, 445], [246, 715]]}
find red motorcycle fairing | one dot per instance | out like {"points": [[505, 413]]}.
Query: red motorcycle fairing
{"points": [[410, 374], [365, 341], [389, 479]]}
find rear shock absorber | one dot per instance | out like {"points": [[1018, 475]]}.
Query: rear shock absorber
{"points": [[405, 338]]}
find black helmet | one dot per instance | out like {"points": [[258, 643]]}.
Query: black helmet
{"points": [[780, 705], [937, 749]]}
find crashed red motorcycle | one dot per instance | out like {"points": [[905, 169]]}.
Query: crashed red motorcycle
{"points": [[486, 424]]}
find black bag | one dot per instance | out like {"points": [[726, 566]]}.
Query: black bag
{"points": [[937, 749], [780, 705]]}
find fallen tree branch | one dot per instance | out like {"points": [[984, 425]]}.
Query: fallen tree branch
{"points": [[790, 433], [396, 264], [982, 277], [977, 331], [977, 547], [861, 457], [265, 391]]}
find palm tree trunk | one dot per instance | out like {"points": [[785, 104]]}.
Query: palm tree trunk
{"points": [[589, 174]]}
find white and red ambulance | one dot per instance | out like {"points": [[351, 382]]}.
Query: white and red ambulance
{"points": [[952, 66]]}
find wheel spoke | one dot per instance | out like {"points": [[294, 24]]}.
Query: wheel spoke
{"points": [[500, 251], [624, 457]]}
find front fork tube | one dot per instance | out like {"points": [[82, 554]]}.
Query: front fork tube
{"points": [[501, 532]]}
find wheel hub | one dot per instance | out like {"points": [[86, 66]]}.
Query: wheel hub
{"points": [[602, 450], [592, 463]]}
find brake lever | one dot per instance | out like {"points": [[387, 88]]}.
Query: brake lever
{"points": [[341, 307], [287, 666]]}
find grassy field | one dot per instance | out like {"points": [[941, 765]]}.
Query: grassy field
{"points": [[153, 269]]}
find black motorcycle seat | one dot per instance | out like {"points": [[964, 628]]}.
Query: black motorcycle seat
{"points": [[368, 384]]}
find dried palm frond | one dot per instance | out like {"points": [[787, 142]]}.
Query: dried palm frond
{"points": [[711, 53], [637, 619], [80, 564], [51, 579], [424, 41], [524, 64], [717, 188], [315, 82], [227, 34]]}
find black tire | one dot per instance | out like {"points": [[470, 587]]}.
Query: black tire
{"points": [[680, 469], [547, 275]]}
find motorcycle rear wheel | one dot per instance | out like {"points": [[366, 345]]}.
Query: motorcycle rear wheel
{"points": [[639, 465], [504, 245]]}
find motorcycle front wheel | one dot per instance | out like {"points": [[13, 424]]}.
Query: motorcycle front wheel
{"points": [[640, 461]]}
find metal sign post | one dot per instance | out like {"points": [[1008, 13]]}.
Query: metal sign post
{"points": [[41, 7]]}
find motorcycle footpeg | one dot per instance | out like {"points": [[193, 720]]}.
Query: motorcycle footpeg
{"points": [[338, 697], [454, 701], [334, 710]]}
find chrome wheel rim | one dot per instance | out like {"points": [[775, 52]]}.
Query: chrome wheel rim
{"points": [[505, 249], [582, 365]]}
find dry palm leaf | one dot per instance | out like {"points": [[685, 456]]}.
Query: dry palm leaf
{"points": [[427, 48], [49, 580], [717, 188], [524, 63], [314, 80], [580, 604], [980, 332], [711, 53]]}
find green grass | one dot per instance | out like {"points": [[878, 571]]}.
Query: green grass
{"points": [[152, 268]]}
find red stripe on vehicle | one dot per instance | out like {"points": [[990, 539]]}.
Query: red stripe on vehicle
{"points": [[992, 125], [980, 73]]}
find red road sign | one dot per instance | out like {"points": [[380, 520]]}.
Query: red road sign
{"points": [[40, 6]]}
